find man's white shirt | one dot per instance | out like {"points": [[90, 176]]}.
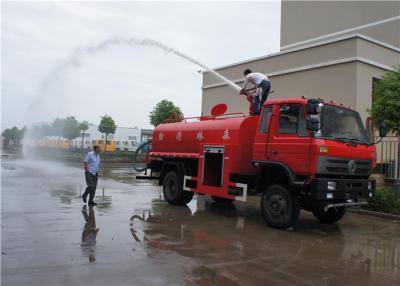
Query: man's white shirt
{"points": [[255, 78]]}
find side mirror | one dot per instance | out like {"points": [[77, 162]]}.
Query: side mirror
{"points": [[315, 106], [313, 123], [383, 130]]}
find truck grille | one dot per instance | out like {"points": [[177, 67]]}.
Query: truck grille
{"points": [[343, 166]]}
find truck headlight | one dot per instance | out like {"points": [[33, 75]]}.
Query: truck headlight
{"points": [[369, 186], [331, 186]]}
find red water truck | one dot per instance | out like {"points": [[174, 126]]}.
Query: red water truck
{"points": [[298, 154]]}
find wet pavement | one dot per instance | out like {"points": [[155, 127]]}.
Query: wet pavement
{"points": [[134, 238]]}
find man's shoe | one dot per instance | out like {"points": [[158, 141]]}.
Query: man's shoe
{"points": [[92, 204], [84, 198]]}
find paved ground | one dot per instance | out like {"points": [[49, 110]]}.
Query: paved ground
{"points": [[134, 238]]}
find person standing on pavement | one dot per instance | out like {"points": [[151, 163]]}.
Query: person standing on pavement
{"points": [[263, 85], [91, 164]]}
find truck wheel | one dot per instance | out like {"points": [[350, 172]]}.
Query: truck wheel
{"points": [[331, 216], [279, 207], [220, 200], [173, 190]]}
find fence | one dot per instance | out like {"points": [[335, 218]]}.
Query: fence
{"points": [[388, 156]]}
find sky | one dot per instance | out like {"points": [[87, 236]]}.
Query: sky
{"points": [[42, 79]]}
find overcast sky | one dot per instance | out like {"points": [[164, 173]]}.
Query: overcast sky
{"points": [[124, 82]]}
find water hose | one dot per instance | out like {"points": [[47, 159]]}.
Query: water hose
{"points": [[142, 148]]}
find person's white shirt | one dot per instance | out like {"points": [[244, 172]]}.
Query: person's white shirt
{"points": [[255, 78]]}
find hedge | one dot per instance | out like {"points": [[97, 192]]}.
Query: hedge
{"points": [[386, 201]]}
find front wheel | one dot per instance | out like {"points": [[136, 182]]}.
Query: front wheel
{"points": [[280, 207], [173, 190], [331, 216]]}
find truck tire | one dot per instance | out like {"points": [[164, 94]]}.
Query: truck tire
{"points": [[280, 208], [220, 200], [173, 190], [331, 216]]}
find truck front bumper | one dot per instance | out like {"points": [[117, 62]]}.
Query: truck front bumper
{"points": [[342, 190]]}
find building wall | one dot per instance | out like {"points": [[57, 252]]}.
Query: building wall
{"points": [[303, 20], [280, 62], [365, 74], [328, 70], [336, 82]]}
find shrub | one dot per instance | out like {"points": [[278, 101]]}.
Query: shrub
{"points": [[386, 201]]}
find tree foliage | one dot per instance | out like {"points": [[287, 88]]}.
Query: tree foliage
{"points": [[83, 126], [386, 103], [39, 131], [57, 127], [107, 126], [70, 128], [14, 135], [164, 110]]}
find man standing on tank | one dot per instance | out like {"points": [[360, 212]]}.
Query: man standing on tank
{"points": [[91, 165], [263, 86]]}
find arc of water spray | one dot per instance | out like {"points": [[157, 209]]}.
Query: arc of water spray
{"points": [[103, 45]]}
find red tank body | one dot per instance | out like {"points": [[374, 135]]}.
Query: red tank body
{"points": [[187, 139]]}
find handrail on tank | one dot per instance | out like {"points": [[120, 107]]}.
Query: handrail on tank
{"points": [[212, 117], [206, 117]]}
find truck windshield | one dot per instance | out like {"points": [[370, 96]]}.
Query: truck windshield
{"points": [[342, 124]]}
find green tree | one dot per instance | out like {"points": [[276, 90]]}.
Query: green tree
{"points": [[386, 101], [83, 126], [57, 127], [107, 126], [164, 110], [8, 136], [13, 135], [70, 129], [38, 131]]}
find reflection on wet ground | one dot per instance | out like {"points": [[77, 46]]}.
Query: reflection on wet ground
{"points": [[89, 233], [134, 238]]}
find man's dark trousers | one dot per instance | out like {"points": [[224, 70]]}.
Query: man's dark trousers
{"points": [[91, 182], [265, 85]]}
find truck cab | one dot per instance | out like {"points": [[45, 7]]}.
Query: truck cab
{"points": [[316, 154]]}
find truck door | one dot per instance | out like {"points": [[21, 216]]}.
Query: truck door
{"points": [[289, 141], [261, 138]]}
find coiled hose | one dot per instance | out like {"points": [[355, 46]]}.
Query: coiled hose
{"points": [[141, 149]]}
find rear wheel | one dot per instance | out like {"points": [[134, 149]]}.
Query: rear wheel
{"points": [[280, 207], [173, 190], [331, 216], [220, 200]]}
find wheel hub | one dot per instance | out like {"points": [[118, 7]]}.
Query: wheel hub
{"points": [[277, 206]]}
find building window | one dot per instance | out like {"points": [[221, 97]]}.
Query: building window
{"points": [[132, 138]]}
